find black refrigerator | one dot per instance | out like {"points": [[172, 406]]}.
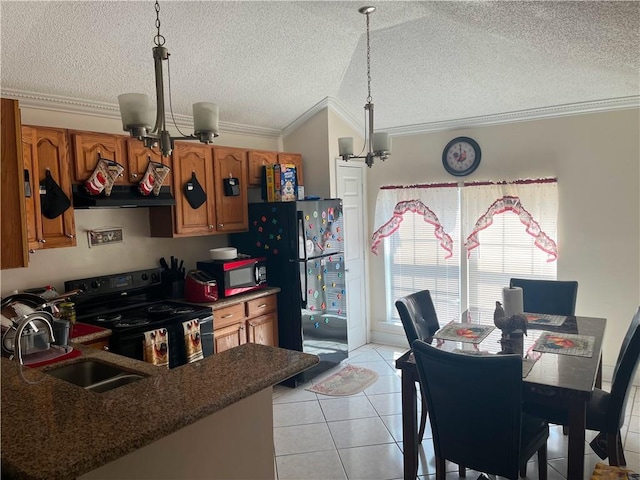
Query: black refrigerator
{"points": [[303, 243]]}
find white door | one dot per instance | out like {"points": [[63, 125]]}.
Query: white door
{"points": [[350, 188]]}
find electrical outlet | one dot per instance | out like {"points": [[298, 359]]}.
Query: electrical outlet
{"points": [[104, 237]]}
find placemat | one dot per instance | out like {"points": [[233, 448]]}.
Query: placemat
{"points": [[565, 344], [545, 319], [464, 332]]}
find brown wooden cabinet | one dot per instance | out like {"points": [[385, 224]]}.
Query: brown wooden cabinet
{"points": [[138, 157], [14, 249], [293, 159], [232, 213], [257, 160], [254, 321], [220, 213], [260, 158], [47, 150], [88, 147]]}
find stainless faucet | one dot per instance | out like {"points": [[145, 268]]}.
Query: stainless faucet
{"points": [[20, 329]]}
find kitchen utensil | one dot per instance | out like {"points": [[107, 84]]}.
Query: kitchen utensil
{"points": [[224, 253], [164, 264]]}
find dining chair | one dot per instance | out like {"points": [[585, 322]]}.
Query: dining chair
{"points": [[420, 322], [475, 410], [605, 410], [553, 297]]}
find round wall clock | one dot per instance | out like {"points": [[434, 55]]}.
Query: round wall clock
{"points": [[461, 156]]}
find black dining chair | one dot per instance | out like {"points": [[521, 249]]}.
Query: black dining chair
{"points": [[475, 410], [553, 297], [420, 322], [605, 410]]}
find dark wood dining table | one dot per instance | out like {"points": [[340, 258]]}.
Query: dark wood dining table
{"points": [[560, 380]]}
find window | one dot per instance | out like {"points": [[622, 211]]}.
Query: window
{"points": [[496, 231]]}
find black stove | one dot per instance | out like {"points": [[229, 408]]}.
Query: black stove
{"points": [[130, 304]]}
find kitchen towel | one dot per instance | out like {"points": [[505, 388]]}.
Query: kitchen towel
{"points": [[192, 343], [156, 347], [512, 300]]}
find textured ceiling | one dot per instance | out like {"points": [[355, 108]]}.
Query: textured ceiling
{"points": [[266, 63]]}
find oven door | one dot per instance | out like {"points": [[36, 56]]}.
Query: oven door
{"points": [[132, 344]]}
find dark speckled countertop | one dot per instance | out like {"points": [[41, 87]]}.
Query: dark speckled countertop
{"points": [[54, 430]]}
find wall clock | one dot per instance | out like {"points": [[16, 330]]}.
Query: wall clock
{"points": [[461, 156]]}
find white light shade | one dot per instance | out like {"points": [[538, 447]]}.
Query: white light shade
{"points": [[205, 117], [135, 110], [345, 146], [381, 142]]}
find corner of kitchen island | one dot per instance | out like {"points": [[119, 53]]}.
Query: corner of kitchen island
{"points": [[208, 419]]}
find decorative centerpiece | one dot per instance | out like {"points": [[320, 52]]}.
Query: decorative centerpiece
{"points": [[512, 328]]}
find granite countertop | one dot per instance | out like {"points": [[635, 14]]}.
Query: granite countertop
{"points": [[54, 429]]}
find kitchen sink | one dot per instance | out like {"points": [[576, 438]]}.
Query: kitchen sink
{"points": [[94, 375]]}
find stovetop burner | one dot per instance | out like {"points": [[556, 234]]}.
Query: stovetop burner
{"points": [[160, 308], [131, 322], [185, 309], [108, 318]]}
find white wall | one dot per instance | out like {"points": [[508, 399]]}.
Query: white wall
{"points": [[139, 250], [596, 158], [317, 140]]}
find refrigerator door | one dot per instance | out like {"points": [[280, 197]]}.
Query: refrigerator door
{"points": [[320, 228], [324, 316]]}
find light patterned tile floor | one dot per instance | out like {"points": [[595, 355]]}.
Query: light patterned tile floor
{"points": [[360, 436]]}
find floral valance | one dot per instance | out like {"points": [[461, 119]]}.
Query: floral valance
{"points": [[438, 206], [481, 202], [432, 202]]}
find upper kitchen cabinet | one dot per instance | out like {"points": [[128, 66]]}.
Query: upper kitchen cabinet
{"points": [[192, 170], [230, 174], [257, 160], [46, 150], [138, 158], [89, 147], [13, 250], [293, 159]]}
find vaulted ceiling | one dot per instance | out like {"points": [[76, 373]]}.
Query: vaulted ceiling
{"points": [[266, 63]]}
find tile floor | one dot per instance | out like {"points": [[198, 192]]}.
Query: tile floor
{"points": [[360, 436]]}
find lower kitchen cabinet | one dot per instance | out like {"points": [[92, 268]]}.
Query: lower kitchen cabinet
{"points": [[254, 321]]}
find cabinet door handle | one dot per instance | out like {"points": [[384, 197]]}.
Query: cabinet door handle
{"points": [[221, 224], [42, 240], [262, 305], [228, 315], [134, 175], [105, 348], [210, 227], [70, 235]]}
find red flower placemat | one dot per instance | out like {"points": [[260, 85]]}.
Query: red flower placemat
{"points": [[565, 344], [464, 332]]}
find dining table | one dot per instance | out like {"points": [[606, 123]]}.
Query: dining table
{"points": [[549, 378]]}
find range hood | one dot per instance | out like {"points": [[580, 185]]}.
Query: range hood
{"points": [[122, 196]]}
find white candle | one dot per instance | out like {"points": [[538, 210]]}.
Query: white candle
{"points": [[380, 142], [345, 145]]}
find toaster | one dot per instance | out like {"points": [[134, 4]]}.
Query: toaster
{"points": [[200, 287]]}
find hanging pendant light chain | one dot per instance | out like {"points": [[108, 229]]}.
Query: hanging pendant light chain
{"points": [[158, 39], [368, 64]]}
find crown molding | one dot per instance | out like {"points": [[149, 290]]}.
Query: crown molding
{"points": [[61, 104], [58, 103], [327, 102], [520, 116]]}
